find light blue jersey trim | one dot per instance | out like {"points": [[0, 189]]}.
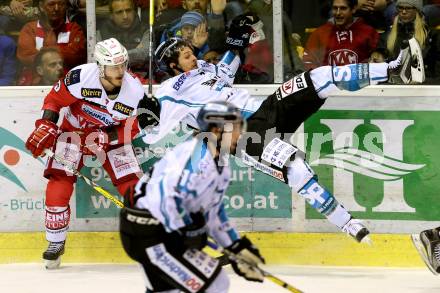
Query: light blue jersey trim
{"points": [[172, 100], [162, 205], [228, 57]]}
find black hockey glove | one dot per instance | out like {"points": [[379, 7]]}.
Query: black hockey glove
{"points": [[194, 235], [245, 258], [148, 112], [245, 29]]}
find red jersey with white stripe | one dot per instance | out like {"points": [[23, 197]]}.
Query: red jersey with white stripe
{"points": [[88, 105]]}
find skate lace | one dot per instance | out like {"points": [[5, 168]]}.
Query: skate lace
{"points": [[437, 252], [55, 246]]}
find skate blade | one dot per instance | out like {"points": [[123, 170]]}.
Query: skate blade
{"points": [[367, 240], [52, 264], [418, 71], [421, 250]]}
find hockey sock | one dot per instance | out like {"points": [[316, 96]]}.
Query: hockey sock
{"points": [[303, 180], [57, 223], [329, 80], [325, 203]]}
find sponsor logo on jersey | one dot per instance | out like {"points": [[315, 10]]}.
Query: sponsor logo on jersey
{"points": [[91, 93], [234, 42], [174, 268], [98, 115], [342, 57], [291, 86], [248, 160], [123, 109], [72, 77], [179, 82], [216, 83]]}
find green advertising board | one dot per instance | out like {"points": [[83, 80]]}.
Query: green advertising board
{"points": [[381, 165], [250, 195]]}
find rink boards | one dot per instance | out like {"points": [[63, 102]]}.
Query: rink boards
{"points": [[375, 149]]}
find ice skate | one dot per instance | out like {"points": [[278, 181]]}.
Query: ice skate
{"points": [[356, 229], [408, 68], [52, 255], [427, 244]]}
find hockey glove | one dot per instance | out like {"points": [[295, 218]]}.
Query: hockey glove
{"points": [[43, 137], [148, 112], [245, 29], [245, 258], [93, 141], [194, 235]]}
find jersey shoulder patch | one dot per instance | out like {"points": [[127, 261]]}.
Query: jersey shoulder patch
{"points": [[73, 77]]}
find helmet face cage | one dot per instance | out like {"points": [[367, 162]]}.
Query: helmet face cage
{"points": [[218, 114]]}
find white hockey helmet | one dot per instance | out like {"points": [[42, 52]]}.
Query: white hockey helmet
{"points": [[110, 52]]}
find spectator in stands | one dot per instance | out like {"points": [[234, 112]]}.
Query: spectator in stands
{"points": [[192, 28], [48, 66], [212, 56], [124, 25], [409, 23], [343, 40], [432, 13], [292, 63], [18, 12], [372, 12], [52, 29], [215, 20], [8, 64]]}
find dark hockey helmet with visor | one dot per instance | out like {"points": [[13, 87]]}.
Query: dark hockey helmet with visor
{"points": [[168, 51], [218, 114]]}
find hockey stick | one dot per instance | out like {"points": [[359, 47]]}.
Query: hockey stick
{"points": [[69, 167], [150, 51], [266, 274]]}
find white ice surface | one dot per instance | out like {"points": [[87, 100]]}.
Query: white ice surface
{"points": [[110, 278]]}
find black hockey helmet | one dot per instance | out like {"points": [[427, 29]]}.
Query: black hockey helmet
{"points": [[168, 51], [217, 114]]}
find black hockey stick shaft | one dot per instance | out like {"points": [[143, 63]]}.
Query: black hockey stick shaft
{"points": [[69, 167], [266, 274]]}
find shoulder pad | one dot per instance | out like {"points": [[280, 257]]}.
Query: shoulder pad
{"points": [[72, 77]]}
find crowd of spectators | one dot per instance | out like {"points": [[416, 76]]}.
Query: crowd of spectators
{"points": [[40, 40]]}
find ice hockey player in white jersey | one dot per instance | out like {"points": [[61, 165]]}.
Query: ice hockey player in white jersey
{"points": [[179, 203], [196, 83], [100, 99]]}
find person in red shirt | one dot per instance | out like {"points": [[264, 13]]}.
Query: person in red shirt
{"points": [[52, 29], [341, 41]]}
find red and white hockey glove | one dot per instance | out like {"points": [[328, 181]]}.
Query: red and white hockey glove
{"points": [[93, 141], [43, 137]]}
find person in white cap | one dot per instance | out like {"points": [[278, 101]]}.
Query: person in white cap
{"points": [[409, 23]]}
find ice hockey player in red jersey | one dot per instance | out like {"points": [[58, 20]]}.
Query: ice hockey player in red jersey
{"points": [[101, 102]]}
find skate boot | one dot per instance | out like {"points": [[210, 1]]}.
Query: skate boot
{"points": [[52, 255], [408, 68], [356, 229], [427, 244]]}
